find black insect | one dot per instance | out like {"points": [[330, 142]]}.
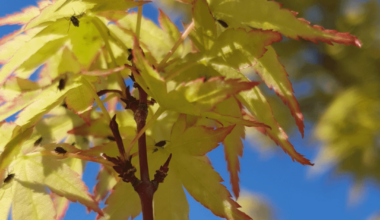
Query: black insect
{"points": [[60, 150], [130, 57], [75, 21], [9, 178], [38, 142], [224, 24], [61, 84], [73, 144], [64, 105], [160, 144], [110, 138]]}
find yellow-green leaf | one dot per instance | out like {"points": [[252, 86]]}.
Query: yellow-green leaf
{"points": [[204, 33], [31, 200], [274, 75], [233, 145], [123, 203], [60, 179], [268, 15], [240, 48]]}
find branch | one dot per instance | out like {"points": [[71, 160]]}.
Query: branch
{"points": [[119, 141], [162, 172]]}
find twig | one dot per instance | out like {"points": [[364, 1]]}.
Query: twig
{"points": [[119, 141], [148, 125]]}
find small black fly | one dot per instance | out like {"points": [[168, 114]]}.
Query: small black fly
{"points": [[130, 57], [110, 138], [160, 144], [38, 142], [9, 178], [61, 84], [75, 21], [224, 24], [60, 150], [73, 144]]}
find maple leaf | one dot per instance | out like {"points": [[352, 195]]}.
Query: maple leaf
{"points": [[58, 177], [154, 86], [274, 75], [252, 99], [268, 15], [188, 146], [204, 33], [233, 145]]}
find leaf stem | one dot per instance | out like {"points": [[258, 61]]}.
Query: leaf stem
{"points": [[119, 141], [162, 64], [101, 27], [159, 111], [97, 99], [72, 155]]}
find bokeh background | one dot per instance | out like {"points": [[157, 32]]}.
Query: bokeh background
{"points": [[338, 88]]}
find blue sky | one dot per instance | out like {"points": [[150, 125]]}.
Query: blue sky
{"points": [[285, 184]]}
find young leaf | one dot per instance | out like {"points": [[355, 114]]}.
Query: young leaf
{"points": [[274, 75], [60, 179], [6, 196], [152, 38], [204, 33], [239, 48], [233, 145], [13, 106], [123, 203], [26, 15], [117, 5], [60, 9], [154, 86], [12, 148], [268, 15], [52, 36], [61, 204], [251, 99], [170, 201], [31, 200], [106, 182], [170, 28], [260, 108], [80, 100], [197, 176], [47, 100]]}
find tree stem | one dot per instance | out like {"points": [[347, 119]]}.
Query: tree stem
{"points": [[159, 111], [145, 188]]}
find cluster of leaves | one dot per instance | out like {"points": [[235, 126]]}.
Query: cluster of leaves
{"points": [[202, 99]]}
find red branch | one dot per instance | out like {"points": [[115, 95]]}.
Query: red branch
{"points": [[146, 189]]}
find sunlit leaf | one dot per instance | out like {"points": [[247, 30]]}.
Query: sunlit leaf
{"points": [[268, 15]]}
